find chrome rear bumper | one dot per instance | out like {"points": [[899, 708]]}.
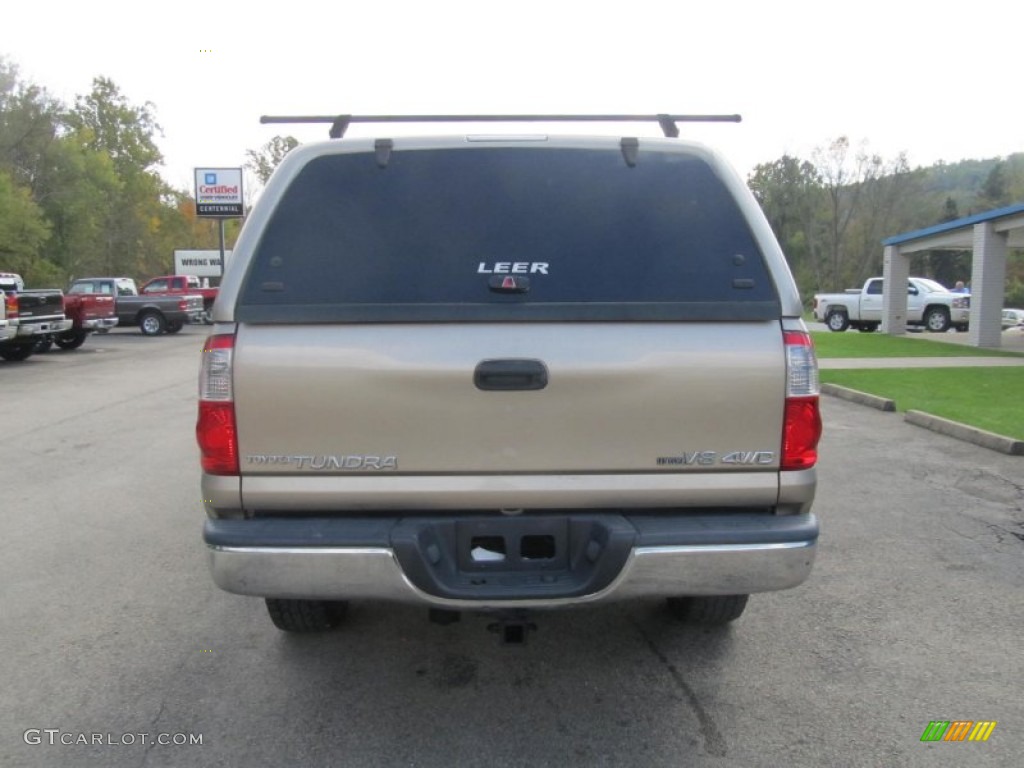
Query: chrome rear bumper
{"points": [[376, 573], [29, 327], [100, 323]]}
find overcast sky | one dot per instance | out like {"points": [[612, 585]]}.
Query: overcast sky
{"points": [[937, 80]]}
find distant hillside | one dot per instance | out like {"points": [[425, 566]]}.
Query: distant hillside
{"points": [[831, 212], [965, 183]]}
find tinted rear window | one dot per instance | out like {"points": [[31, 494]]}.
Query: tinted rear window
{"points": [[425, 237]]}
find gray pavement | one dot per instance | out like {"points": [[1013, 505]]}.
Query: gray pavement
{"points": [[111, 625]]}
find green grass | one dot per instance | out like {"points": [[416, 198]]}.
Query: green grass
{"points": [[987, 398], [850, 344]]}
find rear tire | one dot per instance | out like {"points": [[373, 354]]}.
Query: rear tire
{"points": [[173, 327], [716, 609], [306, 615], [867, 327], [152, 323], [15, 353], [42, 346], [837, 321], [71, 340]]}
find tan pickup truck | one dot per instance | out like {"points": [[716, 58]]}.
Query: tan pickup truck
{"points": [[504, 374]]}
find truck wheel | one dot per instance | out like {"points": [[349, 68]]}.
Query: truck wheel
{"points": [[306, 615], [71, 340], [15, 353], [867, 327], [718, 609], [152, 323], [936, 319], [42, 346], [836, 320], [173, 327]]}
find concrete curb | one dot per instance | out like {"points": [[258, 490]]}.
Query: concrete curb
{"points": [[991, 440], [1001, 443], [861, 398]]}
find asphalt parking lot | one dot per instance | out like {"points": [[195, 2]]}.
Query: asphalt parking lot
{"points": [[112, 626]]}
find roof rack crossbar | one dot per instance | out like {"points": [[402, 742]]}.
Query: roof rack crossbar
{"points": [[340, 123]]}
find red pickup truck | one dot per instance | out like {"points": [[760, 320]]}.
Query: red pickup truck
{"points": [[166, 285], [88, 312]]}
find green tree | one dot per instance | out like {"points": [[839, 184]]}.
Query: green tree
{"points": [[103, 121], [108, 123], [79, 196], [994, 191], [789, 191], [30, 123], [23, 230]]}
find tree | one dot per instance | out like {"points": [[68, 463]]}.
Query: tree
{"points": [[109, 124], [886, 188], [79, 195], [264, 160], [103, 121], [789, 191], [80, 190], [23, 230], [945, 266], [994, 191], [840, 176], [29, 127]]}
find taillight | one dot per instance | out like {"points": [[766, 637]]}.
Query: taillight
{"points": [[215, 427], [802, 425], [11, 304]]}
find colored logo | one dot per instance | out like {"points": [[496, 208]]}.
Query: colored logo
{"points": [[211, 178], [958, 730]]}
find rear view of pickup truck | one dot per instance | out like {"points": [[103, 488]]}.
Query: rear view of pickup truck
{"points": [[506, 374], [30, 317]]}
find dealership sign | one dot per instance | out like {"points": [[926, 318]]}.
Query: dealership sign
{"points": [[199, 263], [219, 192]]}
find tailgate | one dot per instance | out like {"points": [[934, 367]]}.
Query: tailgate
{"points": [[409, 399], [38, 305], [96, 307]]}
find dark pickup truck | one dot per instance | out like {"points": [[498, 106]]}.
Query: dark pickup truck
{"points": [[34, 316], [175, 285], [153, 314]]}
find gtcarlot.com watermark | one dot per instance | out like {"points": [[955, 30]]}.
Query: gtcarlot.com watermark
{"points": [[55, 736]]}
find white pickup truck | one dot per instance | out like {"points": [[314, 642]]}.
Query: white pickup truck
{"points": [[928, 304]]}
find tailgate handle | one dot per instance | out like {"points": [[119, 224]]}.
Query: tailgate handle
{"points": [[510, 375]]}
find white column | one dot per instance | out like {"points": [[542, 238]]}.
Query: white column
{"points": [[988, 277], [896, 270]]}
